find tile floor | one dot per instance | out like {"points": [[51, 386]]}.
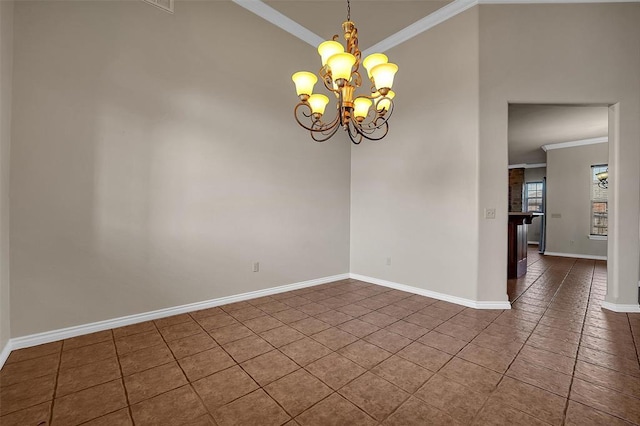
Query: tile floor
{"points": [[349, 353]]}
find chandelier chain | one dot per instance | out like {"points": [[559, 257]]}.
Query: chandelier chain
{"points": [[348, 10]]}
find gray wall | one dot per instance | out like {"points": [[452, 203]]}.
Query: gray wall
{"points": [[534, 175], [528, 54], [413, 194], [569, 195], [6, 73], [155, 157]]}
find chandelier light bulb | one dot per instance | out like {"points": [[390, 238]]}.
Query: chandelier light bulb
{"points": [[382, 103], [318, 103], [361, 107], [341, 65], [383, 76], [304, 82], [327, 49], [373, 60]]}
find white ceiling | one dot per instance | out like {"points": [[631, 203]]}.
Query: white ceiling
{"points": [[375, 19], [532, 125]]}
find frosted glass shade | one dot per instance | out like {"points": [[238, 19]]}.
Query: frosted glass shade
{"points": [[373, 60], [340, 65], [304, 81], [318, 103], [383, 104], [329, 48], [383, 75], [361, 107]]}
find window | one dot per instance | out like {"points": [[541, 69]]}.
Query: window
{"points": [[533, 196], [599, 207]]}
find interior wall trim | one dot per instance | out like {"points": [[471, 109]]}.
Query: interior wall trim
{"points": [[574, 255], [621, 308], [476, 304], [571, 144], [79, 330]]}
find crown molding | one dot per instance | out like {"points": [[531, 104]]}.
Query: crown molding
{"points": [[444, 13], [527, 166], [571, 144], [268, 13]]}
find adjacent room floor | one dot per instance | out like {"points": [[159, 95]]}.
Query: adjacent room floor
{"points": [[349, 353]]}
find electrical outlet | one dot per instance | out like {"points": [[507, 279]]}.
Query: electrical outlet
{"points": [[388, 261], [489, 213], [256, 266]]}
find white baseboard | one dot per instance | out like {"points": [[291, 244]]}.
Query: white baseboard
{"points": [[79, 330], [533, 243], [6, 351], [577, 256], [435, 295], [621, 308]]}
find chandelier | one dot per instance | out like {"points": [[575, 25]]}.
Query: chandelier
{"points": [[361, 116], [603, 179]]}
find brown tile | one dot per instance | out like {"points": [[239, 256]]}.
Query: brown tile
{"points": [[88, 404], [263, 323], [618, 348], [87, 354], [256, 408], [247, 348], [556, 346], [456, 400], [424, 321], [480, 379], [223, 387], [142, 327], [495, 360], [378, 319], [296, 301], [313, 309], [557, 334], [534, 401], [36, 415], [191, 345], [557, 362], [440, 341], [175, 407], [436, 312], [425, 356], [607, 400], [281, 336], [407, 329], [230, 333], [604, 359], [334, 302], [334, 317], [172, 320], [204, 313], [34, 352], [387, 340], [396, 311], [402, 373], [416, 413], [305, 351], [144, 359], [334, 338], [179, 331], [117, 418], [541, 377], [358, 327], [297, 391], [152, 382], [608, 378], [580, 415], [205, 363], [309, 326], [30, 369], [232, 307], [335, 370], [273, 307], [354, 310], [372, 303], [247, 313], [457, 331], [374, 395], [496, 414], [87, 339], [88, 375], [213, 322], [364, 354], [269, 367], [136, 342], [334, 411], [26, 394], [290, 315]]}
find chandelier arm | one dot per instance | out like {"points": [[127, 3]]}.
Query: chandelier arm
{"points": [[378, 121], [367, 134], [355, 135], [327, 133], [316, 125]]}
